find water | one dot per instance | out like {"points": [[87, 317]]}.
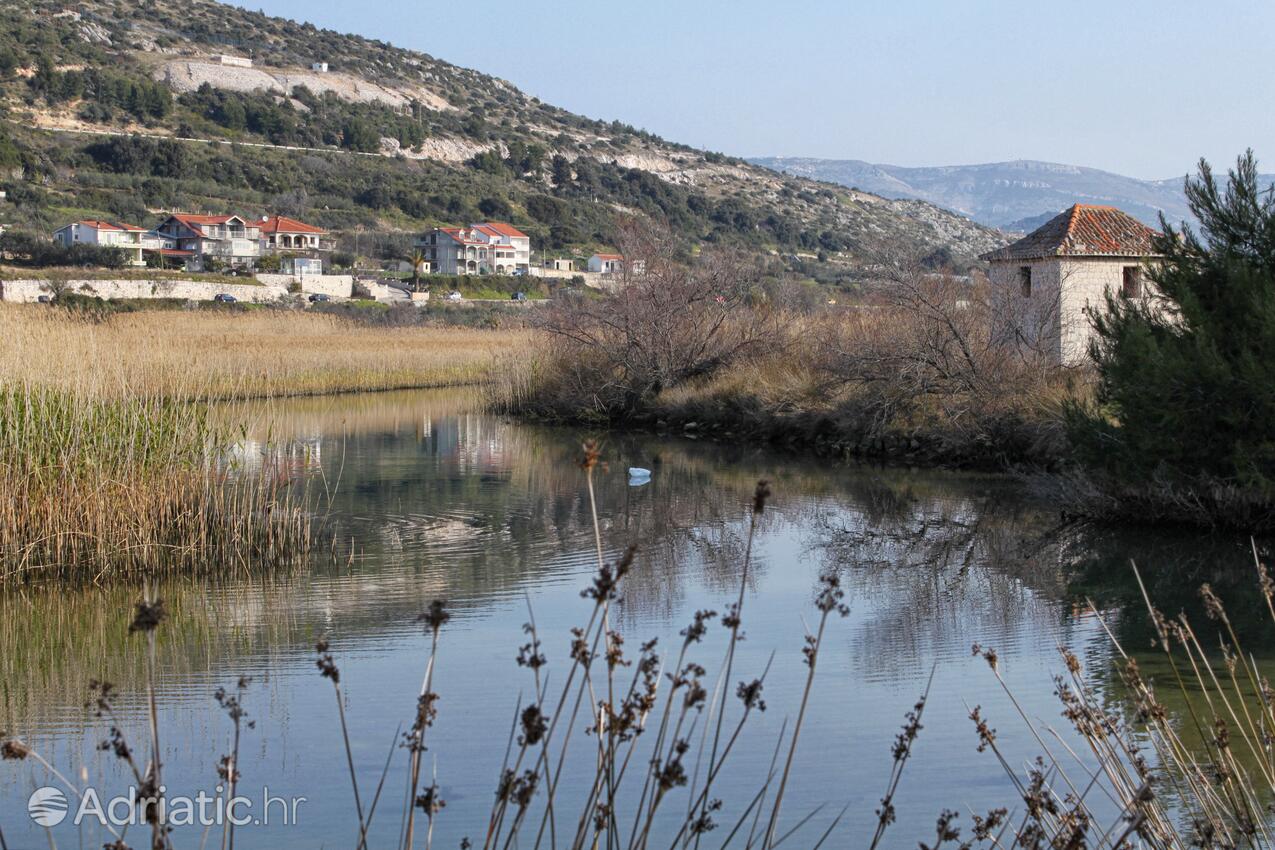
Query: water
{"points": [[428, 500]]}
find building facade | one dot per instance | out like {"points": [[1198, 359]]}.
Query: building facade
{"points": [[202, 240], [285, 234], [1044, 283], [606, 263], [108, 234], [491, 247]]}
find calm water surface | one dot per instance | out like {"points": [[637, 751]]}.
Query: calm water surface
{"points": [[428, 501]]}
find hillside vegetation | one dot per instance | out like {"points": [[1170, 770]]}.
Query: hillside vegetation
{"points": [[385, 140]]}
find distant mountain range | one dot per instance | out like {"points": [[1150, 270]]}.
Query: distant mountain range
{"points": [[1014, 196]]}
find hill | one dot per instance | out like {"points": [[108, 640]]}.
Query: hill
{"points": [[1012, 196], [125, 109]]}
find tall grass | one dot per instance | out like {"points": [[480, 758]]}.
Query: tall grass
{"points": [[93, 487], [203, 355], [108, 461]]}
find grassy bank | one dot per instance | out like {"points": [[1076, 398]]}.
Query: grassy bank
{"points": [[225, 355]]}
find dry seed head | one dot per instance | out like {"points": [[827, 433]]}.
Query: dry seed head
{"points": [[1212, 605], [534, 726], [749, 694], [1264, 581], [325, 663], [436, 616], [14, 750], [989, 655], [429, 802]]}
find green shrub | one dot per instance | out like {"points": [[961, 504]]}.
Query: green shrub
{"points": [[1185, 397]]}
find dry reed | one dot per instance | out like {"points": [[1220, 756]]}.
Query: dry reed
{"points": [[108, 463], [92, 487], [206, 355]]}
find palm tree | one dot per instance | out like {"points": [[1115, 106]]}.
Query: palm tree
{"points": [[418, 261]]}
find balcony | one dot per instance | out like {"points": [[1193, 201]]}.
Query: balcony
{"points": [[233, 248]]}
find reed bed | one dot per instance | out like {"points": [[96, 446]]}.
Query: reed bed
{"points": [[93, 487], [206, 355], [109, 464]]}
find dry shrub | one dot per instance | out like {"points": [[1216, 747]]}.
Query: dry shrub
{"points": [[677, 320], [939, 354]]}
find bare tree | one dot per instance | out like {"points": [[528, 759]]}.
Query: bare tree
{"points": [[936, 342], [672, 318]]}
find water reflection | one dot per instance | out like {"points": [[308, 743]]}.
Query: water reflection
{"points": [[427, 499]]}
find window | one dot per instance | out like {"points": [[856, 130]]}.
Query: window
{"points": [[1025, 280], [1131, 283]]}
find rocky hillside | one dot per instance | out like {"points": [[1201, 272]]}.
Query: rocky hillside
{"points": [[125, 108], [1010, 195]]}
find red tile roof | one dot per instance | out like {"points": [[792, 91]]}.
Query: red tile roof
{"points": [[455, 233], [101, 224], [502, 229], [609, 256], [187, 218], [1083, 230], [195, 222], [283, 224]]}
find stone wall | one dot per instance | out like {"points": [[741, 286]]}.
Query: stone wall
{"points": [[334, 285], [1033, 318], [191, 290], [1085, 283], [1055, 314]]}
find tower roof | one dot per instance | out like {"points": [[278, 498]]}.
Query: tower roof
{"points": [[1082, 230]]}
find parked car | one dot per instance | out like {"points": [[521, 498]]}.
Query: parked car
{"points": [[225, 298], [319, 297], [518, 296], [44, 299], [520, 272], [455, 295]]}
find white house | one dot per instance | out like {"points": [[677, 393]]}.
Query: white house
{"points": [[606, 263], [108, 234], [283, 234], [492, 247], [195, 239], [613, 264], [1046, 280]]}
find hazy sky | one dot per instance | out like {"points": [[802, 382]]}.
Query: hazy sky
{"points": [[1135, 87]]}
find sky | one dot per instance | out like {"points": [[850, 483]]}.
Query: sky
{"points": [[1138, 88]]}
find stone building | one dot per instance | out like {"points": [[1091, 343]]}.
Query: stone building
{"points": [[1043, 283]]}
